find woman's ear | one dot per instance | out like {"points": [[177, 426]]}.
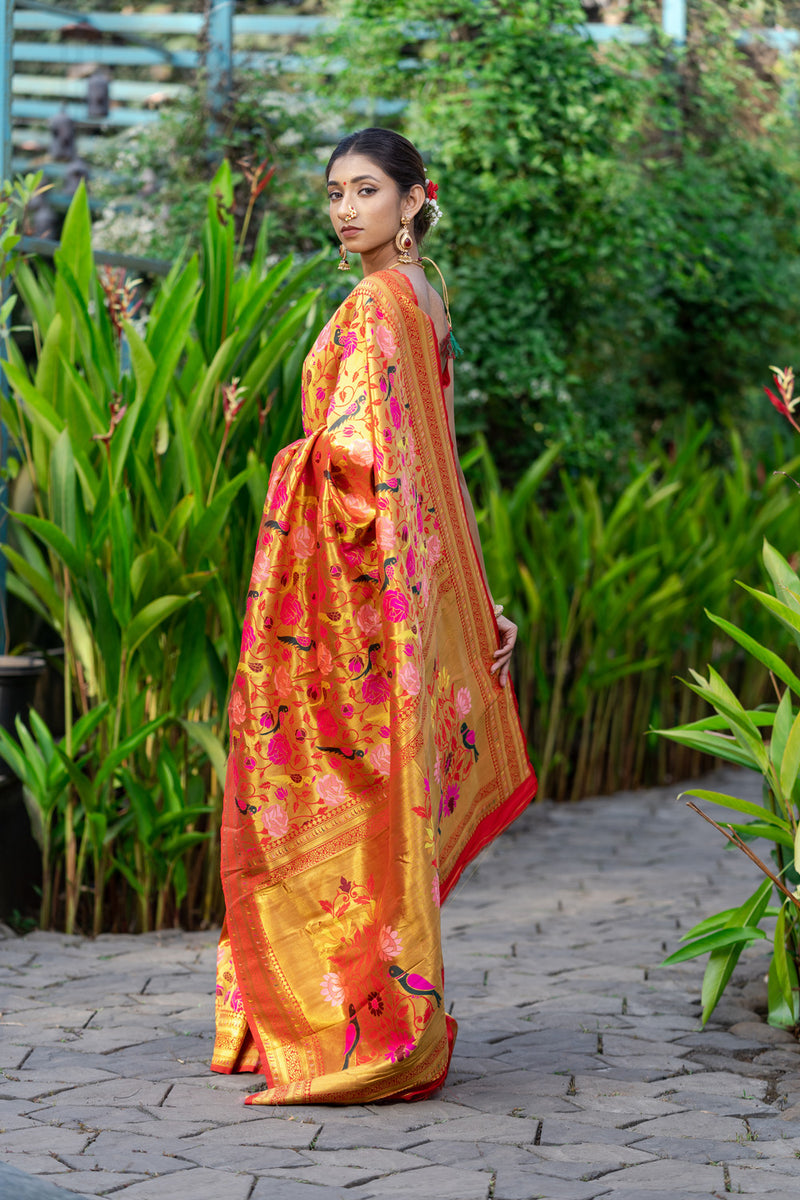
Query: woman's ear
{"points": [[413, 201]]}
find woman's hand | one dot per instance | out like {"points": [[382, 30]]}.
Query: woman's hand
{"points": [[502, 657]]}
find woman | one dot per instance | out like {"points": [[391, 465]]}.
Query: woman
{"points": [[375, 746]]}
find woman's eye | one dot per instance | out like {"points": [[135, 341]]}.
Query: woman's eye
{"points": [[334, 195], [367, 191]]}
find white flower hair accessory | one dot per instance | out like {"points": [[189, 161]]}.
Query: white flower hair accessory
{"points": [[430, 207]]}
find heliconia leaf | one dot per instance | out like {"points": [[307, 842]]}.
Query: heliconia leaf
{"points": [[780, 732], [202, 733], [743, 806], [717, 921], [151, 616], [790, 763], [728, 936], [723, 960], [772, 661], [710, 743], [780, 966], [62, 485], [760, 829], [54, 537]]}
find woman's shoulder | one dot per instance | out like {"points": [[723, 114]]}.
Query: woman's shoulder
{"points": [[371, 296]]}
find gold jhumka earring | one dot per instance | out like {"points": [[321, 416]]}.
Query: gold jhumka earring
{"points": [[404, 242], [344, 265]]}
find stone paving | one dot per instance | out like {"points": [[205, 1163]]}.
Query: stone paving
{"points": [[580, 1069]]}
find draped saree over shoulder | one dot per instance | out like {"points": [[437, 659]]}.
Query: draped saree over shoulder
{"points": [[372, 753]]}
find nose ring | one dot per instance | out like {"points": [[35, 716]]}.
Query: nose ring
{"points": [[351, 212]]}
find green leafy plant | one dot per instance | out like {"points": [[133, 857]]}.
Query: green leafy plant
{"points": [[145, 445], [767, 740], [605, 591]]}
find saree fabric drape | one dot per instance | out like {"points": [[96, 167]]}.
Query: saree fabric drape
{"points": [[372, 752]]}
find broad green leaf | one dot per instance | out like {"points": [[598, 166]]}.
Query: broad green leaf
{"points": [[718, 921], [54, 537], [150, 617], [710, 743], [772, 661], [202, 733], [723, 960], [760, 829], [790, 763], [780, 732], [737, 805], [729, 936]]}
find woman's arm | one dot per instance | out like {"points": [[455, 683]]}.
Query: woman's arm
{"points": [[508, 630]]}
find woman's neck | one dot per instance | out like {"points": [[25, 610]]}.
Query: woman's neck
{"points": [[384, 256]]}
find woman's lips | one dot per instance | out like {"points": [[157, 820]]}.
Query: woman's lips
{"points": [[350, 231]]}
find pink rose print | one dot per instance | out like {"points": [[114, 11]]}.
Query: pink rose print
{"points": [[330, 789], [434, 549], [409, 679], [450, 798], [347, 711], [361, 453], [348, 344], [324, 659], [275, 821], [385, 340], [380, 759], [260, 566], [358, 508], [248, 636], [237, 709], [375, 689], [234, 999], [327, 724], [395, 412], [303, 542], [463, 702], [291, 610], [279, 749], [249, 763], [435, 893], [390, 943], [399, 1048], [283, 683], [368, 619], [332, 990], [385, 534], [322, 339], [279, 497], [395, 605], [411, 563], [355, 666]]}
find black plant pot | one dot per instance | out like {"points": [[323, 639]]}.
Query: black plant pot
{"points": [[20, 861]]}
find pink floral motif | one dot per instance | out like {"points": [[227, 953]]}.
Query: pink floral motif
{"points": [[435, 892], [324, 659], [399, 1048], [234, 999], [283, 683], [279, 749], [330, 789], [368, 619], [327, 724], [385, 534], [237, 709], [248, 636], [361, 453], [411, 563], [357, 507], [348, 344], [331, 988], [280, 496], [291, 610], [303, 542], [375, 689], [395, 412], [395, 605], [434, 549], [383, 337], [409, 679], [249, 763], [322, 340], [275, 821], [380, 759], [390, 944], [463, 702]]}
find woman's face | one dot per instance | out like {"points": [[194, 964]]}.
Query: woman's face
{"points": [[358, 185]]}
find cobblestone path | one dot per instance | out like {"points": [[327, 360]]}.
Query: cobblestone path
{"points": [[580, 1070]]}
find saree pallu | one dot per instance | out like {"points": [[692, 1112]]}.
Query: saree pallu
{"points": [[372, 752]]}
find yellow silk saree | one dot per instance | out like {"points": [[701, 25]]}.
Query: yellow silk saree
{"points": [[372, 752]]}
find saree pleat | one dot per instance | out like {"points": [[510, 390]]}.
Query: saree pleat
{"points": [[372, 752]]}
